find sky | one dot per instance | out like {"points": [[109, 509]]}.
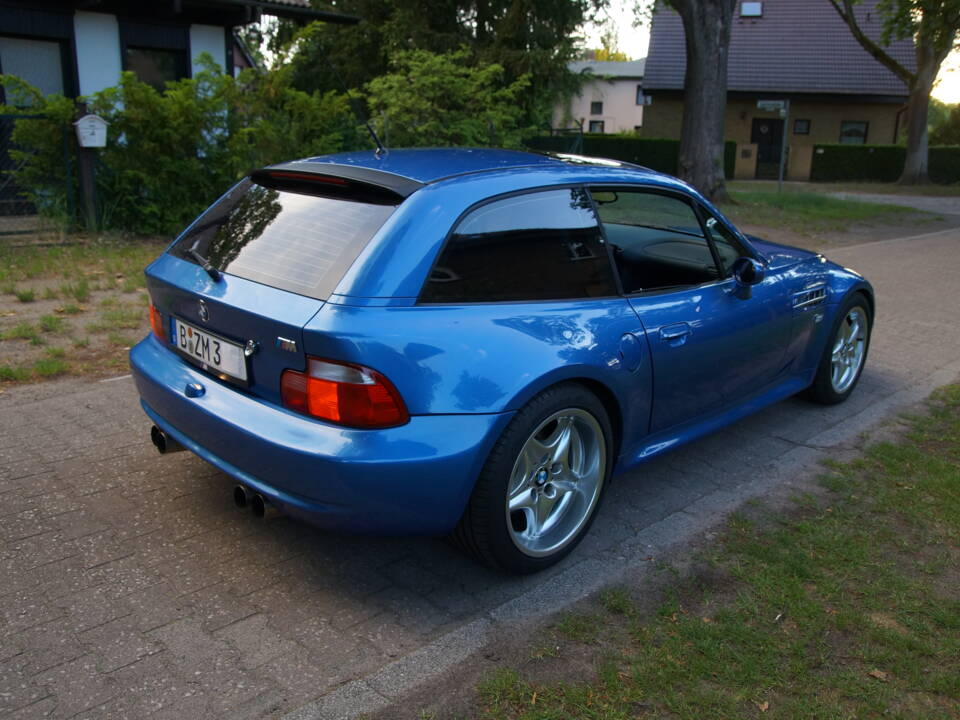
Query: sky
{"points": [[634, 40]]}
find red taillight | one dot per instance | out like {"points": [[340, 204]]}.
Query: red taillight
{"points": [[156, 323], [343, 393]]}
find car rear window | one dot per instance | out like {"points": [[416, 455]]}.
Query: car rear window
{"points": [[299, 237]]}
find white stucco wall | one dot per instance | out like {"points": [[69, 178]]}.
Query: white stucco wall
{"points": [[207, 38], [98, 51], [620, 110]]}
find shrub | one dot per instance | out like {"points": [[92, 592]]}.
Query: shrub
{"points": [[879, 163], [660, 154], [171, 154]]}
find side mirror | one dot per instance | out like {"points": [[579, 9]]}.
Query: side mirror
{"points": [[747, 272]]}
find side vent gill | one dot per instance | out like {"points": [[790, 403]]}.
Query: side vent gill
{"points": [[809, 298]]}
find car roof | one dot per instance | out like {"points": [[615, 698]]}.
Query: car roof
{"points": [[405, 170]]}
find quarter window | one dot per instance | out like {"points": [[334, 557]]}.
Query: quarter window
{"points": [[656, 240], [728, 246], [536, 246]]}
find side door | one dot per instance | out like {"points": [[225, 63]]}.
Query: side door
{"points": [[709, 348], [536, 299]]}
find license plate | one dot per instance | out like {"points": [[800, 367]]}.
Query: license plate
{"points": [[212, 352]]}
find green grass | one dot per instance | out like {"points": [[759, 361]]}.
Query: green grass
{"points": [[79, 291], [13, 373], [807, 212], [125, 257], [21, 331], [864, 187], [25, 296], [844, 605], [52, 324], [71, 309], [48, 367]]}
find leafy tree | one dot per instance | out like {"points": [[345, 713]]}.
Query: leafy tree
{"points": [[947, 131], [525, 37], [706, 26], [933, 25], [431, 99]]}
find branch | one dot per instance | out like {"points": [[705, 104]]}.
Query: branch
{"points": [[877, 52]]}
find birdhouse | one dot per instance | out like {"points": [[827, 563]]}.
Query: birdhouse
{"points": [[91, 131]]}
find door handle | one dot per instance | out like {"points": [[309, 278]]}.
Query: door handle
{"points": [[675, 335]]}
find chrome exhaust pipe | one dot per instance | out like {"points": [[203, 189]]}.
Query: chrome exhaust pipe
{"points": [[163, 442], [241, 496], [261, 507]]}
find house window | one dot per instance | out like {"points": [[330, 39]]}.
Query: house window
{"points": [[38, 62], [156, 66], [853, 132], [639, 94], [751, 9], [596, 126], [801, 127], [596, 108]]}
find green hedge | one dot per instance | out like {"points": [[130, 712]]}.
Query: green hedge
{"points": [[879, 163], [658, 154]]}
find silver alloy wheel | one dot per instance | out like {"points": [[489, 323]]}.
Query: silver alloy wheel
{"points": [[555, 482], [849, 347]]}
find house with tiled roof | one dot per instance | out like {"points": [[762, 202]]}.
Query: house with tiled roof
{"points": [[785, 50], [610, 99], [78, 47]]}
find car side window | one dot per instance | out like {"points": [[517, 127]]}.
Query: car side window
{"points": [[728, 245], [656, 239], [544, 245]]}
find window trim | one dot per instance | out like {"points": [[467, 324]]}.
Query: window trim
{"points": [[808, 122], [419, 301], [593, 107], [602, 125]]}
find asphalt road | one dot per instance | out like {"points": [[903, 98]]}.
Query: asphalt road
{"points": [[131, 587]]}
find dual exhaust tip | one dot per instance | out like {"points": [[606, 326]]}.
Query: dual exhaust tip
{"points": [[244, 497]]}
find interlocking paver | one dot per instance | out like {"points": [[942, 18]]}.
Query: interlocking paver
{"points": [[130, 586]]}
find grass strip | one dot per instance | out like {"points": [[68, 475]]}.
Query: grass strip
{"points": [[844, 605]]}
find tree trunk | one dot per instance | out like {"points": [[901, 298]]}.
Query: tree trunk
{"points": [[706, 24], [915, 168]]}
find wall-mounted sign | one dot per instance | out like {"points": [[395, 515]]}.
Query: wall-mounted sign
{"points": [[91, 131], [771, 105]]}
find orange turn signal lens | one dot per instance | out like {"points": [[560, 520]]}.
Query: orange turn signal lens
{"points": [[156, 323], [343, 393]]}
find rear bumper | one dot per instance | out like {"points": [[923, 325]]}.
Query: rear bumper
{"points": [[413, 479]]}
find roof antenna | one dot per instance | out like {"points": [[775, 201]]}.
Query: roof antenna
{"points": [[358, 113]]}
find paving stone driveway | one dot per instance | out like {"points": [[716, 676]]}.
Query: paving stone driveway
{"points": [[130, 586]]}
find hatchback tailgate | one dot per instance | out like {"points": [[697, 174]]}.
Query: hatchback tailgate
{"points": [[263, 321]]}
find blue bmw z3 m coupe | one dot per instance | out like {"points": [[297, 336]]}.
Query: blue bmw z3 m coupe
{"points": [[472, 342]]}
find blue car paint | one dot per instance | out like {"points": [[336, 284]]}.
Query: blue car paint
{"points": [[463, 370], [402, 479]]}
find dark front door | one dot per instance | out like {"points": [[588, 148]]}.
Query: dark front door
{"points": [[767, 134]]}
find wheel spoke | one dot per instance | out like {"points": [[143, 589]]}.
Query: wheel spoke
{"points": [[565, 486], [523, 499], [559, 442]]}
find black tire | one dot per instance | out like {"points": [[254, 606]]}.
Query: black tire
{"points": [[483, 529], [822, 390]]}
